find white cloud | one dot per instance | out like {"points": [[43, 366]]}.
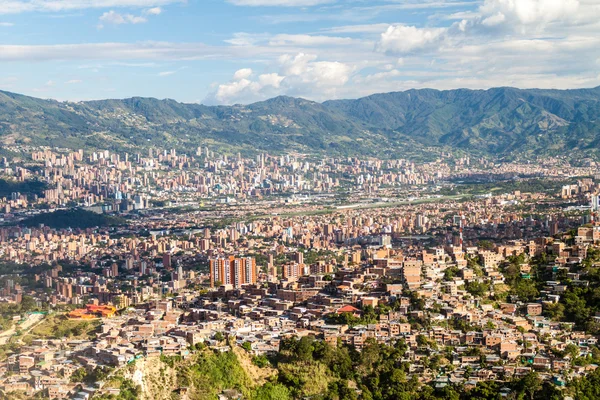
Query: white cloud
{"points": [[290, 40], [114, 18], [112, 51], [317, 73], [21, 6], [534, 17], [528, 12], [240, 74], [299, 75], [494, 20], [280, 3], [6, 24], [73, 81], [154, 11], [242, 89], [166, 73], [400, 39], [247, 39]]}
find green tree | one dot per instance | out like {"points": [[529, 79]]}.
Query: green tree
{"points": [[79, 375], [529, 384], [270, 391], [247, 346]]}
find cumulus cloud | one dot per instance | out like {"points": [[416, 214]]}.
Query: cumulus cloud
{"points": [[243, 89], [494, 20], [400, 39], [530, 17], [298, 75], [306, 69], [528, 12], [114, 18], [240, 74]]}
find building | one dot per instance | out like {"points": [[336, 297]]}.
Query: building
{"points": [[232, 271]]}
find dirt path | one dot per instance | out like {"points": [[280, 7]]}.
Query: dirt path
{"points": [[31, 321]]}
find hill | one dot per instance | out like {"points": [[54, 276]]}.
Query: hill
{"points": [[504, 122]]}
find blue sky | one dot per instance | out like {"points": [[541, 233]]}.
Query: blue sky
{"points": [[240, 51]]}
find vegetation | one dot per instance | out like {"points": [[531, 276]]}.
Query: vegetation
{"points": [[73, 218], [210, 373], [58, 326], [505, 185], [128, 390], [311, 368], [9, 310], [499, 122], [29, 187]]}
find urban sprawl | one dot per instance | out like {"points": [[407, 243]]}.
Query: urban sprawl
{"points": [[473, 264]]}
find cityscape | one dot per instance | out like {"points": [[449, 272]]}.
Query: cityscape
{"points": [[115, 264], [299, 200]]}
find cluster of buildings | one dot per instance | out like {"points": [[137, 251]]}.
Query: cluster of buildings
{"points": [[267, 263], [112, 182]]}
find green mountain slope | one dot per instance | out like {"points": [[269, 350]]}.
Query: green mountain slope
{"points": [[500, 121]]}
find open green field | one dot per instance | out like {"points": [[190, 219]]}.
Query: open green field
{"points": [[59, 326]]}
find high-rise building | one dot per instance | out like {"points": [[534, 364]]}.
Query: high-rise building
{"points": [[292, 270], [167, 260], [232, 271]]}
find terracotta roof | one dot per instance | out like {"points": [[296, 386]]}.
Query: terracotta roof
{"points": [[346, 309]]}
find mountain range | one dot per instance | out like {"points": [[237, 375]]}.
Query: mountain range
{"points": [[499, 122]]}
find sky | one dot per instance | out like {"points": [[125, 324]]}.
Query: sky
{"points": [[242, 51]]}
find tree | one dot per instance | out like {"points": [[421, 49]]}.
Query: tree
{"points": [[576, 306], [555, 311], [572, 350], [525, 290], [79, 375], [587, 387], [270, 391], [529, 384], [260, 361], [485, 390], [304, 349], [490, 325], [476, 288], [247, 346]]}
